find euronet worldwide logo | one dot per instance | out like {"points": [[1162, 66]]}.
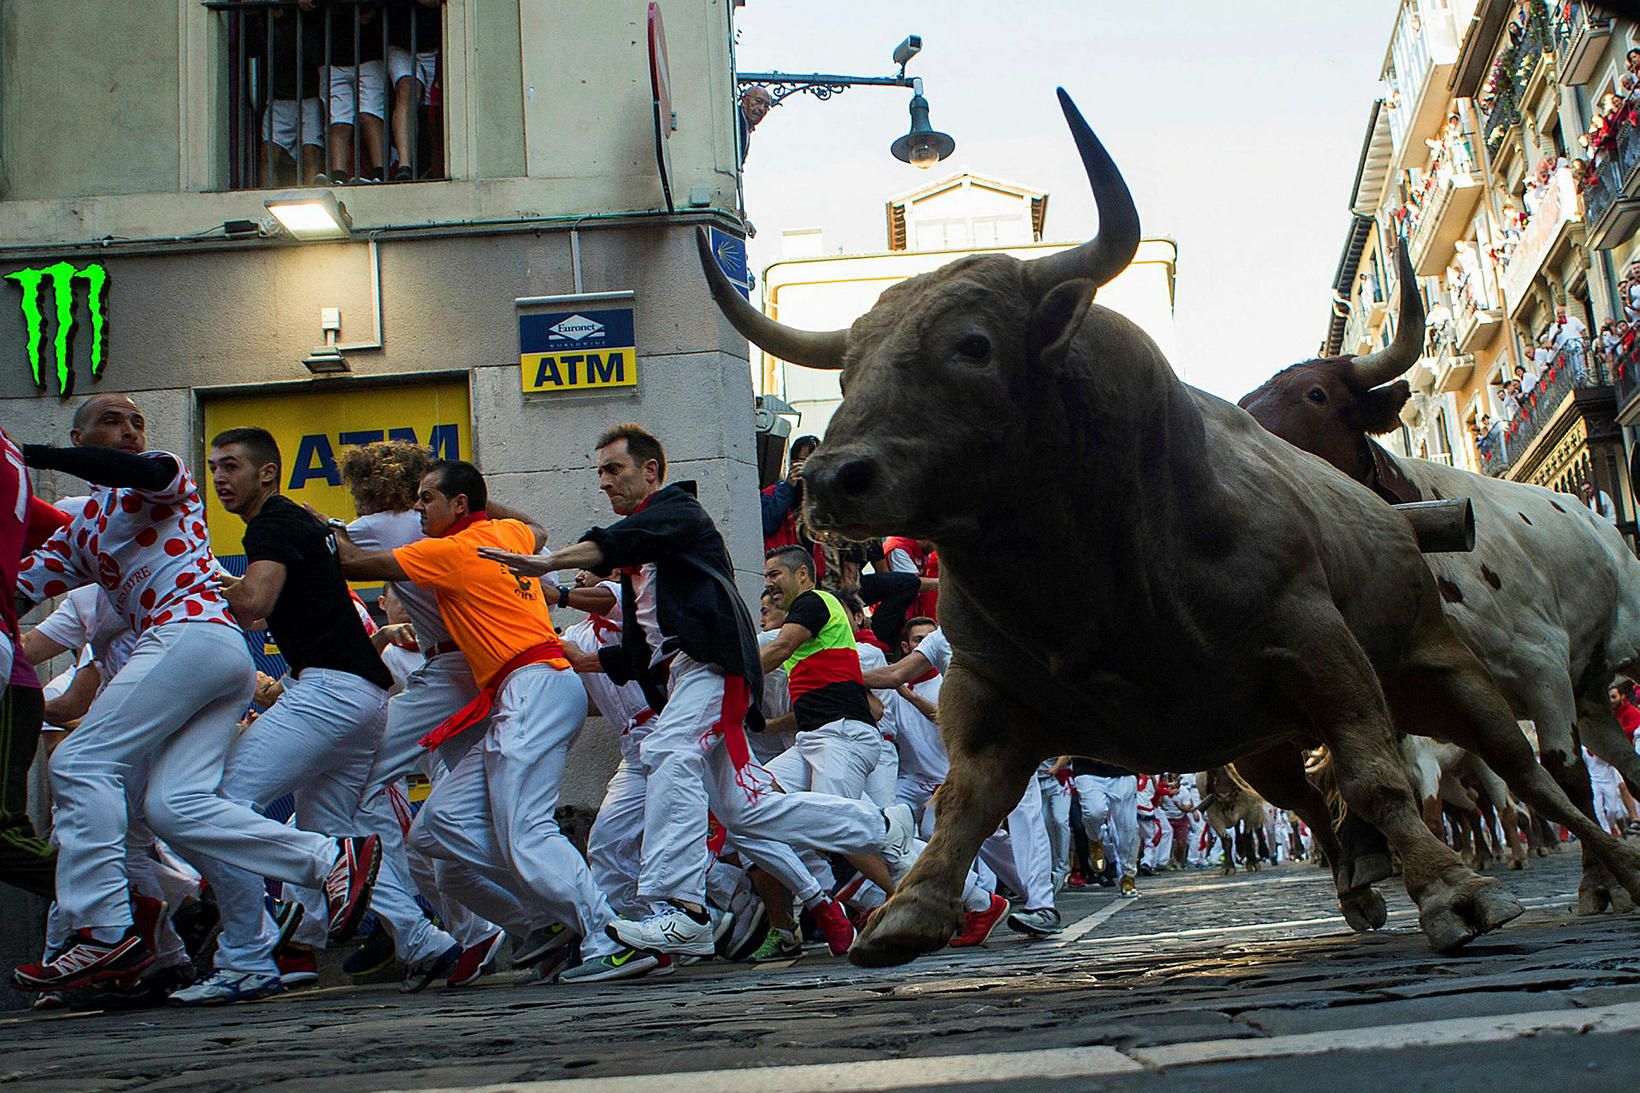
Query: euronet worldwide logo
{"points": [[61, 281], [575, 328]]}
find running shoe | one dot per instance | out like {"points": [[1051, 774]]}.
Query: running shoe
{"points": [[374, 953], [198, 922], [546, 939], [777, 945], [746, 931], [977, 925], [1040, 923], [224, 987], [297, 967], [834, 924], [350, 881], [1129, 889], [476, 960], [287, 916], [625, 964], [670, 930], [418, 975], [84, 960], [48, 1000]]}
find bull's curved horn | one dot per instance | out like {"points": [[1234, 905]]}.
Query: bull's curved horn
{"points": [[810, 348], [1109, 252], [1376, 369]]}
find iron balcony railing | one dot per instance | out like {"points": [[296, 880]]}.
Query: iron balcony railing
{"points": [[1625, 371], [1574, 366], [1613, 167], [1570, 20], [314, 96]]}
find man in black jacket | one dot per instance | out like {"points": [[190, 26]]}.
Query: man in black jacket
{"points": [[690, 642]]}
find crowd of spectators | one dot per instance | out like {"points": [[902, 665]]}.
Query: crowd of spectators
{"points": [[352, 90]]}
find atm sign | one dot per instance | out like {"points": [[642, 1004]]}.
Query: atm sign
{"points": [[576, 349]]}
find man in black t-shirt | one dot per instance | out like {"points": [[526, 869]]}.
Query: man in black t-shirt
{"points": [[319, 740]]}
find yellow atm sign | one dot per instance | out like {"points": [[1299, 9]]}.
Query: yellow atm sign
{"points": [[576, 343]]}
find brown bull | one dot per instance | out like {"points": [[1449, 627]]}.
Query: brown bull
{"points": [[1236, 815], [992, 407], [1549, 599]]}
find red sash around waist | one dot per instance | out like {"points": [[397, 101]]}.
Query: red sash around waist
{"points": [[479, 708]]}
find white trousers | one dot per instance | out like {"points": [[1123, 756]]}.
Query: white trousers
{"points": [[317, 741], [1114, 801], [836, 758], [1056, 815], [495, 809], [174, 706], [689, 771], [434, 691], [615, 843], [1020, 856], [1156, 835], [883, 784]]}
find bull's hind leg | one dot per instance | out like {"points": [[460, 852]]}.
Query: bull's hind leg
{"points": [[1442, 690], [1278, 775], [994, 746], [1335, 684]]}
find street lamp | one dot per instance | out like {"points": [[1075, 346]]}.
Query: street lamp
{"points": [[311, 214], [923, 146]]}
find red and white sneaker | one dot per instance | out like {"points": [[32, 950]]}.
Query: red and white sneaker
{"points": [[834, 925], [977, 925], [349, 883], [297, 967], [84, 960], [475, 960]]}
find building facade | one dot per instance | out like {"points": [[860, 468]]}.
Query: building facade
{"points": [[1496, 155], [928, 227]]}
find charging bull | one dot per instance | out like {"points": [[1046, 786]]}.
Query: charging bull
{"points": [[992, 407], [1549, 599]]}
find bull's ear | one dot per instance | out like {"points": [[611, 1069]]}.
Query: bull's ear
{"points": [[1058, 315], [1380, 408]]}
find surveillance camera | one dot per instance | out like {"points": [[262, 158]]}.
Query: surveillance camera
{"points": [[907, 49]]}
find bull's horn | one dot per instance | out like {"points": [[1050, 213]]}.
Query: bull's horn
{"points": [[1109, 252], [810, 348], [1376, 369]]}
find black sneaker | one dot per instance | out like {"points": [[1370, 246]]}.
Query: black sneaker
{"points": [[418, 975], [374, 953]]}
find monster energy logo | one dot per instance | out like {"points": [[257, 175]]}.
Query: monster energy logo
{"points": [[63, 277]]}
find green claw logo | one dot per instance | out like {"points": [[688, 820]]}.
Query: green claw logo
{"points": [[63, 277]]}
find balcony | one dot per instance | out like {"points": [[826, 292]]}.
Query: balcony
{"points": [[1610, 208], [1479, 312], [1449, 207], [1512, 78], [1423, 50], [1542, 238], [1580, 39], [1626, 381], [1574, 368]]}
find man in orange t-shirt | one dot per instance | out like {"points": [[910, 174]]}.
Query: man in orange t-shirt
{"points": [[494, 810]]}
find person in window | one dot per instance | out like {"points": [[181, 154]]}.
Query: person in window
{"points": [[755, 104], [1599, 502], [356, 83], [292, 125], [415, 31]]}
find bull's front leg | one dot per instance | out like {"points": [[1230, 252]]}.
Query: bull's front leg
{"points": [[994, 745]]}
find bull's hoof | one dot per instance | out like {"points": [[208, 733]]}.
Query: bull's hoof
{"points": [[1625, 870], [1364, 909], [1519, 862], [1622, 902], [1369, 869], [1593, 899], [1227, 869], [1453, 913], [911, 923]]}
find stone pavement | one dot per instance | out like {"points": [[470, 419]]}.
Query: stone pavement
{"points": [[1202, 981]]}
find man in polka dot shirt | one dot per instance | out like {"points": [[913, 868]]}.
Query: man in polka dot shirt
{"points": [[161, 729]]}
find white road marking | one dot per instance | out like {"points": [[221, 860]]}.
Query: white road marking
{"points": [[1094, 1062], [1088, 923]]}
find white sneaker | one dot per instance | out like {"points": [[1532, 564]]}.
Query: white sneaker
{"points": [[220, 988], [669, 930], [898, 850]]}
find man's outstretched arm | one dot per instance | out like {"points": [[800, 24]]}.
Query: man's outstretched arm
{"points": [[914, 665]]}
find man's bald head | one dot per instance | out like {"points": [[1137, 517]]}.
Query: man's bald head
{"points": [[110, 421]]}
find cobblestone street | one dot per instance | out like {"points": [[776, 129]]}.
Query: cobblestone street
{"points": [[1202, 981]]}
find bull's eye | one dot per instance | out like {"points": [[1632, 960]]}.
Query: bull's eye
{"points": [[1317, 396], [974, 347]]}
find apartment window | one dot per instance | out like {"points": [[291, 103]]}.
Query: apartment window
{"points": [[350, 91]]}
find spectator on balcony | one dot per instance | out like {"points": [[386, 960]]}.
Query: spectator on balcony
{"points": [[1599, 502], [1487, 434], [1525, 380], [1509, 401], [1569, 337], [292, 126], [416, 24], [1632, 61], [1609, 338], [356, 79]]}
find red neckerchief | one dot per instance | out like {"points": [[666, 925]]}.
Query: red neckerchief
{"points": [[465, 522], [926, 676], [602, 626], [868, 638]]}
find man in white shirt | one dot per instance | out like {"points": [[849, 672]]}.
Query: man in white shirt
{"points": [[1598, 501]]}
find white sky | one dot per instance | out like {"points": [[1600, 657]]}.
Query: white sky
{"points": [[1238, 127]]}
